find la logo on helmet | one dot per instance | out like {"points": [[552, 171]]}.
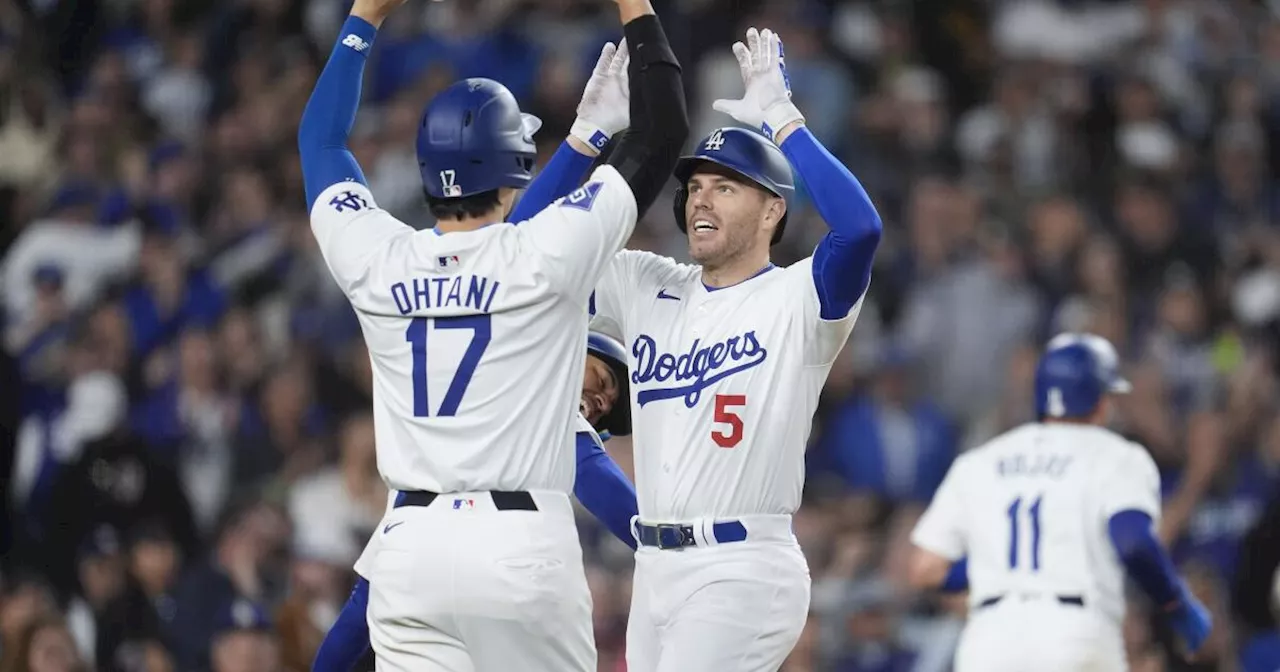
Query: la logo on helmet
{"points": [[715, 142]]}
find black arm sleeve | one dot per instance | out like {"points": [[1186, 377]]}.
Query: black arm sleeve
{"points": [[646, 153]]}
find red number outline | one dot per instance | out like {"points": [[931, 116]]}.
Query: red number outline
{"points": [[723, 416]]}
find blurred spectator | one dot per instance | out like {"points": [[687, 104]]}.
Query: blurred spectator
{"points": [[113, 481], [337, 508], [243, 640], [46, 645]]}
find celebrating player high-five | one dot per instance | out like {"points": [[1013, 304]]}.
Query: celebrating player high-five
{"points": [[477, 335], [728, 358]]}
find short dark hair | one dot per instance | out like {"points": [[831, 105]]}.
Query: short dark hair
{"points": [[466, 206]]}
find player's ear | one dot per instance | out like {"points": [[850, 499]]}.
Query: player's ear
{"points": [[774, 209]]}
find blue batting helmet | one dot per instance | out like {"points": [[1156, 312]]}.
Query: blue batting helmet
{"points": [[473, 139], [745, 152], [1074, 373], [618, 420]]}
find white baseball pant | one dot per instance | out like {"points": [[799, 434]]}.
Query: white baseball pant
{"points": [[727, 607], [462, 586], [1040, 634]]}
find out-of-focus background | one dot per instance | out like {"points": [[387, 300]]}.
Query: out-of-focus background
{"points": [[187, 392]]}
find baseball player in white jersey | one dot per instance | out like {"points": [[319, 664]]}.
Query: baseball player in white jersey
{"points": [[728, 358], [1047, 520], [477, 335]]}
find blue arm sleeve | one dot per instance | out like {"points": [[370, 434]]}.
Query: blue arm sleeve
{"points": [[1145, 560], [604, 489], [348, 639], [562, 174], [957, 580], [842, 262], [331, 111]]}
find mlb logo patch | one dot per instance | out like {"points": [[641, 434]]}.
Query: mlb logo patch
{"points": [[446, 262], [583, 198], [464, 504]]}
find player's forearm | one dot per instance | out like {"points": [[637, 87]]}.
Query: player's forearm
{"points": [[562, 174], [842, 262], [348, 640], [647, 152], [1144, 558], [331, 112], [605, 492]]}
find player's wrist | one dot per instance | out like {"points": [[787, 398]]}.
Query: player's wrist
{"points": [[361, 27], [592, 137], [778, 117], [369, 13]]}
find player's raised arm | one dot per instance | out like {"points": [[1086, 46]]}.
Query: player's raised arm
{"points": [[647, 152], [602, 114], [346, 222], [331, 110], [842, 261]]}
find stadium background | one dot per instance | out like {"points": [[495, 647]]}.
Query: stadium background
{"points": [[188, 393]]}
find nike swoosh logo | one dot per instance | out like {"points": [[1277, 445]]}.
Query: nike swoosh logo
{"points": [[662, 294], [391, 525]]}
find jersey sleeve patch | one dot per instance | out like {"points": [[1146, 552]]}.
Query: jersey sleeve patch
{"points": [[584, 197], [348, 201]]}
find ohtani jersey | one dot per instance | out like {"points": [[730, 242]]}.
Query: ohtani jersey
{"points": [[478, 338], [724, 382], [1030, 509]]}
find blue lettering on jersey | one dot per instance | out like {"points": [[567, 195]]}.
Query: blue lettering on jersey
{"points": [[348, 200], [583, 198], [1032, 466], [699, 368], [473, 291]]}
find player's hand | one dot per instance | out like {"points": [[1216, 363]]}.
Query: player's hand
{"points": [[605, 109], [766, 105], [1192, 622]]}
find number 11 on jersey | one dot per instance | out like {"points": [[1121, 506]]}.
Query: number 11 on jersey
{"points": [[1033, 514]]}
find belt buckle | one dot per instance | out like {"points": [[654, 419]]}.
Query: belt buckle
{"points": [[682, 536]]}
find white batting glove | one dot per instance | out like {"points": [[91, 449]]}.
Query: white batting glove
{"points": [[767, 102], [606, 101]]}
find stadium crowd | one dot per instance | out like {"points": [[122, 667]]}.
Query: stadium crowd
{"points": [[187, 394]]}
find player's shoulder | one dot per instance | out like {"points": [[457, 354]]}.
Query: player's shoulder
{"points": [[647, 269], [345, 199], [604, 193]]}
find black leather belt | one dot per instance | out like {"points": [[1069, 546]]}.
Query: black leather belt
{"points": [[1070, 600], [518, 500]]}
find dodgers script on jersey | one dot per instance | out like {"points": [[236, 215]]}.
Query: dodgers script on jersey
{"points": [[1030, 509], [724, 381], [477, 339]]}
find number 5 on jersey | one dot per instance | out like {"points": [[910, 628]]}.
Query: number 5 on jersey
{"points": [[416, 335], [730, 419]]}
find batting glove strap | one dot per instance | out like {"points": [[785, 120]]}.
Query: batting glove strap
{"points": [[778, 116], [590, 133]]}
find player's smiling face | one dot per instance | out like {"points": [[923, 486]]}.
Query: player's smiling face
{"points": [[599, 390], [727, 216]]}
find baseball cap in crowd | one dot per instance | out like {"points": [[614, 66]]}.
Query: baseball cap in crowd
{"points": [[242, 614], [103, 540]]}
